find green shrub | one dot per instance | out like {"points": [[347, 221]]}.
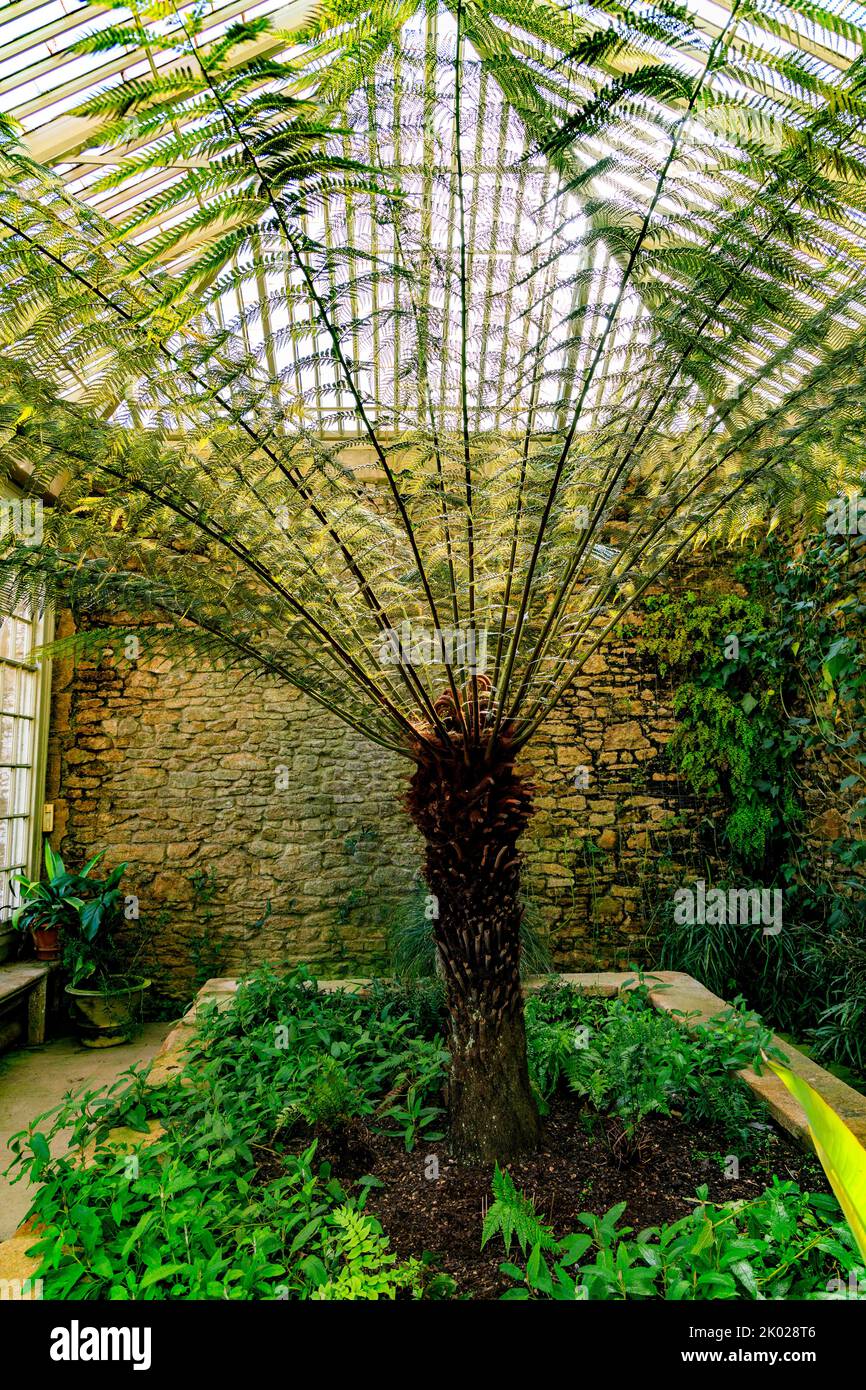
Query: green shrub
{"points": [[794, 691], [331, 1098], [785, 1244], [217, 1205], [630, 1060], [368, 1269], [422, 1001], [557, 1018], [511, 1214], [189, 1215], [686, 631]]}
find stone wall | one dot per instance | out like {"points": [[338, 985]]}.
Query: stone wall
{"points": [[225, 797], [258, 827], [612, 819]]}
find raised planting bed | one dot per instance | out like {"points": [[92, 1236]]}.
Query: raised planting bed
{"points": [[303, 1155], [576, 1170], [671, 990]]}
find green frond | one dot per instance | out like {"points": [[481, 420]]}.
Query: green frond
{"points": [[430, 319]]}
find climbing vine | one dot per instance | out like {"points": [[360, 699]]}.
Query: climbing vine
{"points": [[770, 699], [732, 738]]}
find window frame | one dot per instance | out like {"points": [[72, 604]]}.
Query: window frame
{"points": [[43, 634]]}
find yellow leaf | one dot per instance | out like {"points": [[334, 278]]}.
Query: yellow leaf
{"points": [[842, 1156]]}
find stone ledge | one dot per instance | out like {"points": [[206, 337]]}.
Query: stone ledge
{"points": [[168, 1062], [682, 993]]}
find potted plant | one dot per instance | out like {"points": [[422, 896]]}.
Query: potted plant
{"points": [[50, 906], [106, 1005]]}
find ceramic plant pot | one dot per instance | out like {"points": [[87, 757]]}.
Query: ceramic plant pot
{"points": [[107, 1014]]}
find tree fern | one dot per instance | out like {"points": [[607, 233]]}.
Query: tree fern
{"points": [[430, 318]]}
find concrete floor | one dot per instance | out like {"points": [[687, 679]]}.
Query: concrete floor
{"points": [[35, 1079]]}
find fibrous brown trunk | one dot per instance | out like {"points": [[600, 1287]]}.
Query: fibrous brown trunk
{"points": [[471, 811]]}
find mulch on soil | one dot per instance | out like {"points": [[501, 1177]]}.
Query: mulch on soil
{"points": [[572, 1172]]}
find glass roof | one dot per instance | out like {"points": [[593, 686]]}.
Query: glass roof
{"points": [[517, 323], [522, 216]]}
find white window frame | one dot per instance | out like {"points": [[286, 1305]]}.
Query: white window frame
{"points": [[30, 805]]}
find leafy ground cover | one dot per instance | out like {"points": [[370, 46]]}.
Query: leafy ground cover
{"points": [[302, 1155]]}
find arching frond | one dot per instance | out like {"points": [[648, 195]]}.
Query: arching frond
{"points": [[395, 355]]}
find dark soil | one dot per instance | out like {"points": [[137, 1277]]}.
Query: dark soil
{"points": [[351, 1150], [579, 1167]]}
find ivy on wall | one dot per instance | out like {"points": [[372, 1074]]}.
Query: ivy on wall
{"points": [[770, 699]]}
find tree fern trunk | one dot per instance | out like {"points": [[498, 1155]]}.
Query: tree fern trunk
{"points": [[471, 813]]}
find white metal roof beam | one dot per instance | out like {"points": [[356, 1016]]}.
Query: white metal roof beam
{"points": [[60, 139]]}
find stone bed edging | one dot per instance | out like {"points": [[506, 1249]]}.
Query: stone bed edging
{"points": [[675, 992], [670, 990]]}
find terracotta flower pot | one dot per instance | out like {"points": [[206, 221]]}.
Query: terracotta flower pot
{"points": [[47, 942]]}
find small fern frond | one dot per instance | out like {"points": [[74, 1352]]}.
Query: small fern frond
{"points": [[513, 1216]]}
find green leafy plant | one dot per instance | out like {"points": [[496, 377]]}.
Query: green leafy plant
{"points": [[54, 901], [784, 1244], [793, 695], [557, 1020], [414, 1118], [85, 910], [554, 405], [729, 740], [369, 1270], [331, 1098], [640, 1060], [736, 958], [208, 1188], [688, 632], [512, 1215], [90, 953], [630, 1060], [195, 1209], [633, 1066], [420, 1000]]}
